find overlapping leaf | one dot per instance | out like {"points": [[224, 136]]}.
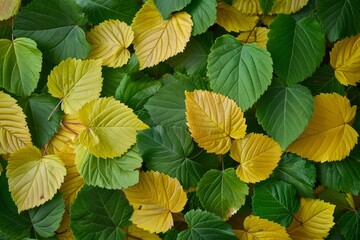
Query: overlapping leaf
{"points": [[258, 35], [203, 15], [9, 8], [135, 233], [168, 6], [247, 7], [284, 6], [349, 225]]}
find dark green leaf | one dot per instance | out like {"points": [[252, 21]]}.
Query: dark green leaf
{"points": [[349, 225], [339, 199], [266, 5], [193, 202], [168, 6], [5, 31], [203, 15], [171, 234]]}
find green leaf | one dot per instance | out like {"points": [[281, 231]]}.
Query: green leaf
{"points": [[101, 10], [284, 112], [46, 218], [266, 5], [206, 226], [276, 201], [5, 31], [297, 47], [298, 172], [111, 173], [222, 192], [349, 225], [17, 75], [168, 6], [339, 18], [54, 26], [339, 199], [241, 72], [203, 15], [99, 213]]}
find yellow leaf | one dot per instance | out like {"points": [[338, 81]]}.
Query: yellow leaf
{"points": [[258, 156], [154, 198], [328, 137], [111, 127], [33, 178], [135, 233], [64, 231], [248, 7], [109, 41], [14, 132], [267, 19], [313, 220], [232, 19], [9, 8], [214, 120], [350, 200], [287, 7], [75, 82], [258, 35], [345, 59], [156, 39], [258, 228]]}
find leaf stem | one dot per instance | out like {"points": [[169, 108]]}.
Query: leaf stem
{"points": [[197, 154], [56, 107], [247, 39]]}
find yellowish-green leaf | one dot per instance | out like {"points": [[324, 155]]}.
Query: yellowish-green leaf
{"points": [[135, 233], [258, 36], [267, 19], [109, 41], [156, 39], [287, 7], [33, 178], [345, 59], [258, 156], [258, 228], [154, 198], [14, 132], [248, 7], [313, 220], [75, 82], [9, 8], [214, 120], [329, 136], [111, 127], [232, 19]]}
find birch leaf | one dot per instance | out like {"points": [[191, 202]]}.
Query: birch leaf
{"points": [[9, 8], [248, 7], [288, 7], [135, 233]]}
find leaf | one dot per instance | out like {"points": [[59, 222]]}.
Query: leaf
{"points": [[203, 15], [233, 20], [288, 7], [155, 39], [313, 220], [14, 132], [266, 5], [213, 120], [349, 225], [222, 192], [17, 75], [284, 112], [165, 7], [9, 8], [134, 233], [344, 58], [276, 201], [204, 225], [258, 35], [107, 120], [99, 213], [33, 178], [246, 77], [53, 25], [339, 19], [247, 7], [258, 156], [296, 47], [258, 228], [75, 82], [328, 137], [109, 42], [154, 199]]}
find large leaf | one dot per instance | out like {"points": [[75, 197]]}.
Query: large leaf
{"points": [[214, 120], [33, 178], [297, 47], [204, 225], [17, 74], [106, 121], [154, 199], [349, 225], [258, 35], [203, 15], [241, 72], [222, 192], [54, 27], [98, 213], [168, 6], [156, 39], [328, 137], [284, 112], [9, 8], [339, 18]]}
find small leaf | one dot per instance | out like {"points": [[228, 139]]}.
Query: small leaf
{"points": [[288, 7], [349, 225], [135, 233], [247, 7], [9, 8], [168, 6], [214, 120], [258, 35], [154, 198], [203, 15]]}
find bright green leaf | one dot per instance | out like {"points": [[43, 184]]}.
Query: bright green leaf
{"points": [[203, 14], [349, 225], [168, 6]]}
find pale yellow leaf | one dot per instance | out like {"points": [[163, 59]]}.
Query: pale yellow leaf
{"points": [[258, 156], [232, 19], [345, 59], [109, 41], [14, 132], [248, 7], [329, 136], [258, 228], [135, 233], [9, 8], [288, 6], [75, 82], [154, 198], [111, 127], [313, 220], [33, 178], [156, 39], [214, 120], [258, 35]]}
